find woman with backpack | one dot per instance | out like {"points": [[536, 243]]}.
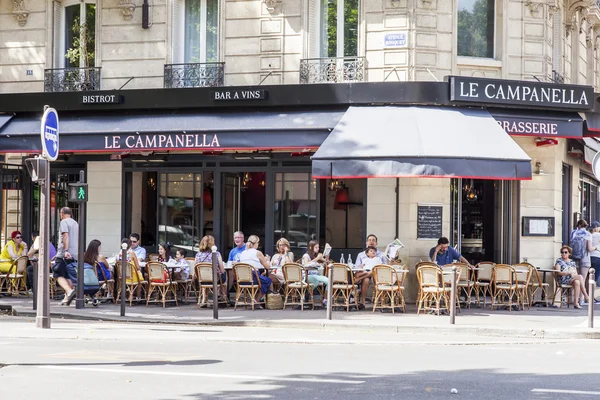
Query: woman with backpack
{"points": [[581, 243]]}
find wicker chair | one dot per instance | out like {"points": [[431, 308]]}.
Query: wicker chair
{"points": [[102, 280], [132, 280], [16, 278], [483, 281], [296, 287], [245, 286], [565, 292], [465, 284], [204, 274], [523, 273], [156, 278], [388, 283], [536, 283], [152, 257], [506, 286], [343, 285], [432, 289]]}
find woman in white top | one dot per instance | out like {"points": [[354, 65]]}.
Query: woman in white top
{"points": [[278, 260], [312, 258], [595, 254], [257, 259]]}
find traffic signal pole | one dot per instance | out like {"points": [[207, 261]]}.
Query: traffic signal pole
{"points": [[42, 319], [79, 301]]}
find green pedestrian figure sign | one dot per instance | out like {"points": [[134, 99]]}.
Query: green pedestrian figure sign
{"points": [[78, 192]]}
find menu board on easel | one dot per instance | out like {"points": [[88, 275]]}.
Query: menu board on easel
{"points": [[429, 221]]}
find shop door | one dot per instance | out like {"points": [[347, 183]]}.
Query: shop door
{"points": [[231, 209]]}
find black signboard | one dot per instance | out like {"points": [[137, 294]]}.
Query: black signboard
{"points": [[429, 221], [101, 99], [523, 93], [539, 123], [237, 95]]}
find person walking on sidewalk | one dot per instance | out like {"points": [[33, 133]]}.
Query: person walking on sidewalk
{"points": [[65, 271]]}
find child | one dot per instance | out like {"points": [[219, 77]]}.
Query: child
{"points": [[364, 277], [183, 273]]}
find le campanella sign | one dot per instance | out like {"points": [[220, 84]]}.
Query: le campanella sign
{"points": [[521, 93]]}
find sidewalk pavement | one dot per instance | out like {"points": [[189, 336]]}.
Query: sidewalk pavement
{"points": [[542, 323]]}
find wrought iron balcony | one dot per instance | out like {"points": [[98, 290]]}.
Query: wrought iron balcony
{"points": [[332, 69], [194, 75], [72, 79]]}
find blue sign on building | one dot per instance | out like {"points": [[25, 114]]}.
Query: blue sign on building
{"points": [[49, 134], [396, 39]]}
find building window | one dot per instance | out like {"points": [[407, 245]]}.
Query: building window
{"points": [[589, 206], [195, 31], [339, 28], [75, 35], [476, 28]]}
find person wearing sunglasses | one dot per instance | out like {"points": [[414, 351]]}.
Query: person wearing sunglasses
{"points": [[14, 248], [136, 247], [567, 274]]}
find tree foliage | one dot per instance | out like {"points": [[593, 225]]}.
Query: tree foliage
{"points": [[83, 46], [476, 30]]}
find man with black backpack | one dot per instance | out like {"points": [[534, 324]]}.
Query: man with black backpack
{"points": [[581, 243]]}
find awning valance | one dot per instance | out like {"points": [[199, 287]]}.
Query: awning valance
{"points": [[592, 124], [419, 141], [117, 132], [539, 123]]}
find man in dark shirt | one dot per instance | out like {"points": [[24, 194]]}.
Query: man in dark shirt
{"points": [[443, 254]]}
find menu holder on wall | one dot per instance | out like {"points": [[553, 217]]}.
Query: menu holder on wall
{"points": [[429, 221], [538, 226]]}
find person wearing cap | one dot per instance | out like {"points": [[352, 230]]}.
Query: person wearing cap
{"points": [[595, 254], [14, 248]]}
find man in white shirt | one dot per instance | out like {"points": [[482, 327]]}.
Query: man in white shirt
{"points": [[139, 251], [371, 242]]}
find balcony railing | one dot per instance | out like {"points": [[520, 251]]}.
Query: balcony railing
{"points": [[332, 70], [72, 79], [194, 75]]}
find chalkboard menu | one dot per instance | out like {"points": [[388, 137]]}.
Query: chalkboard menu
{"points": [[429, 221]]}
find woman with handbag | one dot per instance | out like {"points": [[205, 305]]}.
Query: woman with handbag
{"points": [[567, 274]]}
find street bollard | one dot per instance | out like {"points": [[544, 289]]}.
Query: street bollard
{"points": [[123, 277], [329, 291], [453, 297], [592, 288], [34, 287], [215, 267]]}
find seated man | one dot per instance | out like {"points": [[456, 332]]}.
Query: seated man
{"points": [[137, 248], [443, 254], [363, 278], [33, 256]]}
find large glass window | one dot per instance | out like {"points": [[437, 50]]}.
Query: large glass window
{"points": [[80, 35], [295, 210], [201, 31], [339, 28], [589, 206], [476, 28]]}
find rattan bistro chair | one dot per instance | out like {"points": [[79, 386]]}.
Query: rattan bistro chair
{"points": [[565, 291], [102, 280], [204, 274], [523, 273], [389, 289], [506, 286], [432, 289], [132, 280], [16, 277], [246, 289], [296, 286], [156, 279], [343, 285], [447, 278], [483, 281]]}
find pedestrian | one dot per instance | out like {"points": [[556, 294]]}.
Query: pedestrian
{"points": [[33, 255], [65, 267]]}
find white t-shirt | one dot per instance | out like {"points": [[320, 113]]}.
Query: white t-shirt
{"points": [[249, 256], [595, 243]]}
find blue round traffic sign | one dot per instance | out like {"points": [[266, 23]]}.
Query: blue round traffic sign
{"points": [[49, 133]]}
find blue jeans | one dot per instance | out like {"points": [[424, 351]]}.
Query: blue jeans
{"points": [[596, 266]]}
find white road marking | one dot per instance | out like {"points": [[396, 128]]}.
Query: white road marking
{"points": [[200, 374], [565, 391]]}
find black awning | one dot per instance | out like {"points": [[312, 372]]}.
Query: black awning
{"points": [[592, 124], [539, 123], [4, 118], [114, 132], [371, 142]]}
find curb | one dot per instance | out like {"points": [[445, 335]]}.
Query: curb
{"points": [[573, 333]]}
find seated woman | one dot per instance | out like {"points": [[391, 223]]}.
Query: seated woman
{"points": [[283, 256], [257, 259], [93, 257], [164, 252], [14, 248], [567, 272], [312, 258], [204, 255], [364, 277], [132, 258]]}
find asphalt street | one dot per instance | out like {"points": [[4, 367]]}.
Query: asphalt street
{"points": [[94, 360]]}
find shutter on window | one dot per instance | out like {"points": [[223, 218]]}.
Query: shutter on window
{"points": [[313, 28], [178, 31], [57, 30]]}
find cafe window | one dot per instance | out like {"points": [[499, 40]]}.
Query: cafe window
{"points": [[589, 205], [476, 28]]}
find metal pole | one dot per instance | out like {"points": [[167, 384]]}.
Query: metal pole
{"points": [[79, 301], [329, 291], [42, 319], [34, 283], [123, 277], [453, 297], [592, 288], [215, 267]]}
